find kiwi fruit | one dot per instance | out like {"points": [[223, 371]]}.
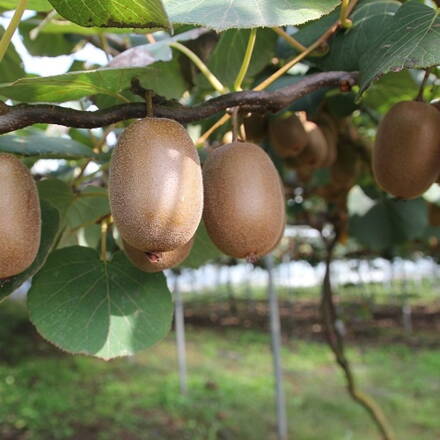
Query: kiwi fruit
{"points": [[20, 217], [256, 126], [155, 185], [287, 135], [244, 210], [406, 153], [434, 214], [329, 129], [150, 263]]}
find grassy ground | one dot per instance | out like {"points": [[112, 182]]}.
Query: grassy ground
{"points": [[48, 395]]}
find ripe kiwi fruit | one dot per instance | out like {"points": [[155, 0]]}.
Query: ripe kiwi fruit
{"points": [[244, 210], [149, 263], [406, 154], [287, 135], [155, 185], [434, 214], [20, 217], [256, 127], [329, 129]]}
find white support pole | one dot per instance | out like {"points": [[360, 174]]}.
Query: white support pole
{"points": [[275, 329], [180, 336]]}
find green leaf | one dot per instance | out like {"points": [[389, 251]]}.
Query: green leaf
{"points": [[409, 41], [46, 44], [44, 147], [226, 59], [104, 309], [50, 222], [146, 54], [391, 89], [11, 67], [203, 250], [89, 206], [112, 13], [77, 210], [347, 47], [163, 78], [220, 15], [58, 193], [390, 222], [34, 5]]}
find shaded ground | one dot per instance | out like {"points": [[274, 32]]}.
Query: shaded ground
{"points": [[45, 394]]}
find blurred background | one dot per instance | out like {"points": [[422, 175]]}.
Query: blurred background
{"points": [[248, 357]]}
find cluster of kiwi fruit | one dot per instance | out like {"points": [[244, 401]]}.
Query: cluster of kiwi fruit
{"points": [[20, 217], [303, 144], [406, 154], [159, 194]]}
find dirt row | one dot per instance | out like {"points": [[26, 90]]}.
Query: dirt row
{"points": [[301, 319]]}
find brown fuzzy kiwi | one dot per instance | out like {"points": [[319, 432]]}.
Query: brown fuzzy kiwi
{"points": [[406, 154], [329, 128], [244, 209], [256, 127], [156, 263], [155, 185], [434, 214], [20, 217], [287, 135], [343, 172]]}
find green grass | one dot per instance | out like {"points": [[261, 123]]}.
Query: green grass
{"points": [[45, 395]]}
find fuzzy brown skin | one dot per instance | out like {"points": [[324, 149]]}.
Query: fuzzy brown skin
{"points": [[244, 201], [155, 185], [167, 260], [330, 131], [287, 136], [20, 217], [256, 127], [434, 214], [406, 154]]}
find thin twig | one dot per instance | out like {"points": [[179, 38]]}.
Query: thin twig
{"points": [[419, 96], [336, 343], [12, 27], [213, 80], [246, 60], [291, 40]]}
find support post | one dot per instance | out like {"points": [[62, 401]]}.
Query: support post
{"points": [[275, 329], [180, 336]]}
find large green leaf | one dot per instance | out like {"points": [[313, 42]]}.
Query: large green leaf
{"points": [[221, 15], [203, 250], [390, 222], [44, 147], [35, 5], [50, 222], [104, 309], [226, 59], [113, 13], [409, 41], [58, 193], [46, 44], [77, 210], [347, 47], [90, 205], [164, 78]]}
